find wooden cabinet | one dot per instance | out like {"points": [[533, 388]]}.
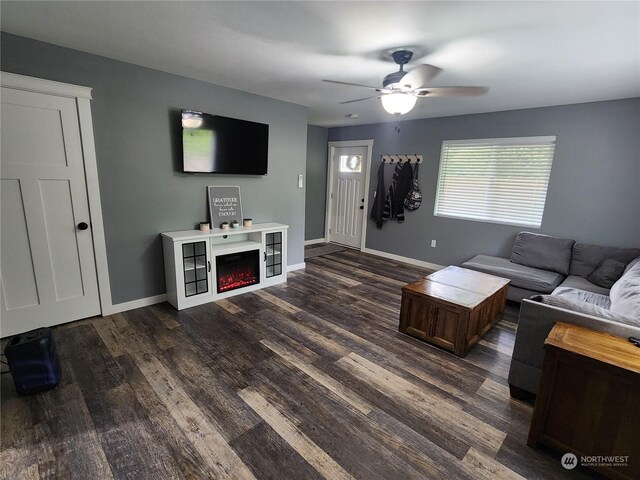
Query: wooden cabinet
{"points": [[588, 400], [453, 308], [195, 262]]}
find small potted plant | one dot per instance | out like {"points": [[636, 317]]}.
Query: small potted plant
{"points": [[225, 226], [235, 224]]}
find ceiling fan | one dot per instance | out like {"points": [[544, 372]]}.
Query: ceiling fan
{"points": [[401, 90]]}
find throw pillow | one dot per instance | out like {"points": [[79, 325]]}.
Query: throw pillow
{"points": [[608, 272]]}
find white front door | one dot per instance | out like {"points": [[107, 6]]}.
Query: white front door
{"points": [[48, 272], [349, 166]]}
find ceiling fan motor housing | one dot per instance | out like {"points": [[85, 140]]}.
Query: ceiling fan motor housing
{"points": [[402, 57]]}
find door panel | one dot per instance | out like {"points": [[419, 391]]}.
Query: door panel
{"points": [[349, 167], [45, 257], [42, 143], [60, 229], [346, 205], [19, 281]]}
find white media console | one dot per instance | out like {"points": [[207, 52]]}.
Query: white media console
{"points": [[202, 267]]}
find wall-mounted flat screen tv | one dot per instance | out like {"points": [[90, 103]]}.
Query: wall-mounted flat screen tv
{"points": [[215, 144]]}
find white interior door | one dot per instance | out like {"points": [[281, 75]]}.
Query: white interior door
{"points": [[48, 272], [349, 166]]}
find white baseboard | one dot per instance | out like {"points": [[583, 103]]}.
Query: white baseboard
{"points": [[141, 302], [399, 258], [297, 266], [145, 302], [313, 242]]}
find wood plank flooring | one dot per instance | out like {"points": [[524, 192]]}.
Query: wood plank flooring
{"points": [[310, 379]]}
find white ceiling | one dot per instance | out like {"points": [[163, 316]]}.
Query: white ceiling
{"points": [[528, 54]]}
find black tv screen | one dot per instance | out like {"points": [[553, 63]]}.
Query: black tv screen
{"points": [[215, 144]]}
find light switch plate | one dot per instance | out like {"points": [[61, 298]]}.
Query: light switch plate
{"points": [[300, 181]]}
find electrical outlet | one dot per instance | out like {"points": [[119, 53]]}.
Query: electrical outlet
{"points": [[299, 181], [433, 244]]}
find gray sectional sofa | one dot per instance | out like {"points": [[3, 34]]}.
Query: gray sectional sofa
{"points": [[553, 278], [541, 263]]}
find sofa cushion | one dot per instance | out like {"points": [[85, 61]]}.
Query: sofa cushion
{"points": [[577, 295], [587, 309], [608, 272], [521, 276], [625, 293], [586, 257], [543, 252], [583, 284]]}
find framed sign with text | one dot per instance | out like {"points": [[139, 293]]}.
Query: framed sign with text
{"points": [[224, 205]]}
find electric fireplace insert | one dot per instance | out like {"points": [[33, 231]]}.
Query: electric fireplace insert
{"points": [[237, 270]]}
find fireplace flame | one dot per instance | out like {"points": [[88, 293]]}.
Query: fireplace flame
{"points": [[237, 279]]}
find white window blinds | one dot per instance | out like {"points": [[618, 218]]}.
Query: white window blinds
{"points": [[499, 180]]}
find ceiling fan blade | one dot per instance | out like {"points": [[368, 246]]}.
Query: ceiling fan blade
{"points": [[360, 99], [419, 76], [377, 89], [449, 91]]}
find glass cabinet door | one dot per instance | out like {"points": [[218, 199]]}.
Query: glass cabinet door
{"points": [[196, 268], [273, 254]]}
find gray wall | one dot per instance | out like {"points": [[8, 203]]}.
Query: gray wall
{"points": [[594, 190], [142, 191], [316, 184]]}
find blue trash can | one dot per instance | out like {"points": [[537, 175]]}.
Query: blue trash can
{"points": [[33, 361]]}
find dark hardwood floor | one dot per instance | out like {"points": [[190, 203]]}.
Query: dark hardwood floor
{"points": [[309, 379]]}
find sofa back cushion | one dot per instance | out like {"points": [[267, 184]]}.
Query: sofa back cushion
{"points": [[586, 257], [625, 293], [543, 252]]}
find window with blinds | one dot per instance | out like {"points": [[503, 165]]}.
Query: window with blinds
{"points": [[499, 180]]}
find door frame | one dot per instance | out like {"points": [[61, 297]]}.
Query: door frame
{"points": [[368, 144], [82, 96]]}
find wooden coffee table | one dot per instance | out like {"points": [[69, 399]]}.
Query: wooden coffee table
{"points": [[453, 308]]}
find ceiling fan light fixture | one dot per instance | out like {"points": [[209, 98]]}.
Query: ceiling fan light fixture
{"points": [[398, 103]]}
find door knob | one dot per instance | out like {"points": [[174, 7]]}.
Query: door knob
{"points": [[83, 226], [361, 207]]}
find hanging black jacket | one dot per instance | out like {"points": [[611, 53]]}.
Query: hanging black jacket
{"points": [[402, 178], [378, 201]]}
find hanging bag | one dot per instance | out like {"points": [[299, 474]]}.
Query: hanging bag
{"points": [[414, 198]]}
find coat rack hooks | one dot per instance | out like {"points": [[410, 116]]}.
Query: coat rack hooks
{"points": [[401, 158]]}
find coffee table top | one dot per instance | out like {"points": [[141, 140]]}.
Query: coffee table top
{"points": [[459, 286]]}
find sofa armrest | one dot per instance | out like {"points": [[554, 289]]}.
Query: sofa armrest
{"points": [[534, 324]]}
